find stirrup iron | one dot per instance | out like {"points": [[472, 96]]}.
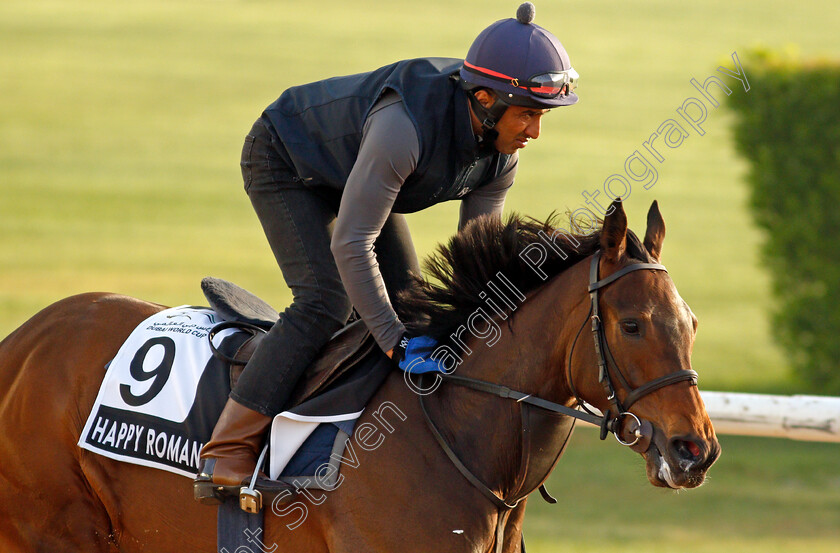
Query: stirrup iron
{"points": [[250, 499]]}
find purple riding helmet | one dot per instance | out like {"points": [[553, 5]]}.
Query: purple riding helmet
{"points": [[524, 64]]}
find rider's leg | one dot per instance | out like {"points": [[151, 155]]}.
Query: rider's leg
{"points": [[298, 225]]}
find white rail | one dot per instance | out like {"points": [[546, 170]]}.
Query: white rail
{"points": [[798, 417], [810, 418]]}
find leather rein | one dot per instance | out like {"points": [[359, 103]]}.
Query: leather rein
{"points": [[618, 419]]}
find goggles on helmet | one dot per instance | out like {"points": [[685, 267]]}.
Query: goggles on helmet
{"points": [[543, 85]]}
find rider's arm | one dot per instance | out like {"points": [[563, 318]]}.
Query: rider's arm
{"points": [[388, 155], [490, 197]]}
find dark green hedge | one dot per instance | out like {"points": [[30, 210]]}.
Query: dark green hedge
{"points": [[788, 127]]}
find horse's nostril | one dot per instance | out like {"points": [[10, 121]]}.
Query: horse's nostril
{"points": [[693, 448], [686, 450]]}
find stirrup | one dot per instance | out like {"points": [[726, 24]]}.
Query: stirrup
{"points": [[207, 492], [250, 499]]}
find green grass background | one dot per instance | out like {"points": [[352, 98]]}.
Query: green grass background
{"points": [[121, 125]]}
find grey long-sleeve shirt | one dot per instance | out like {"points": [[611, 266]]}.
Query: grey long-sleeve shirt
{"points": [[388, 154]]}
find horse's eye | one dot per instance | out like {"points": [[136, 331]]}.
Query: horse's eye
{"points": [[630, 327]]}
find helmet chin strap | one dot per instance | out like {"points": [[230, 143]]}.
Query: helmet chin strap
{"points": [[488, 117]]}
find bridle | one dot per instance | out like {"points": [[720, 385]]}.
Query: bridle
{"points": [[618, 419], [640, 430]]}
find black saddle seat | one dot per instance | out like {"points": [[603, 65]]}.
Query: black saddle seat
{"points": [[346, 347]]}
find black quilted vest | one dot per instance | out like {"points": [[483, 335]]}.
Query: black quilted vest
{"points": [[320, 128]]}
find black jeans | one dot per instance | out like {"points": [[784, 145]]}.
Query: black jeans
{"points": [[298, 222]]}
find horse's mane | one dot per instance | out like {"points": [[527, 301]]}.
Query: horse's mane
{"points": [[462, 269]]}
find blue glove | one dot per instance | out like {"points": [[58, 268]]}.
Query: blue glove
{"points": [[417, 357]]}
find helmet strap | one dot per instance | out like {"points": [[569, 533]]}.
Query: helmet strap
{"points": [[488, 116]]}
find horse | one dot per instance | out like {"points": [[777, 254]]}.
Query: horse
{"points": [[439, 464]]}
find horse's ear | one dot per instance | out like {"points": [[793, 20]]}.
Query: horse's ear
{"points": [[655, 233], [614, 233]]}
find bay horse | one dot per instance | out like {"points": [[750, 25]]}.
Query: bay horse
{"points": [[410, 493]]}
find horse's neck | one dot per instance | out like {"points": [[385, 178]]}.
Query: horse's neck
{"points": [[529, 356]]}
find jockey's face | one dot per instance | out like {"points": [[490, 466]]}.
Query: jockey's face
{"points": [[516, 127]]}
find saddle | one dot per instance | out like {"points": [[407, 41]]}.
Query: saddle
{"points": [[242, 309]]}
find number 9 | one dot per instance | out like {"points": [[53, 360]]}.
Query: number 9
{"points": [[160, 373]]}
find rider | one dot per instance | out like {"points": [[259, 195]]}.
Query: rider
{"points": [[357, 152]]}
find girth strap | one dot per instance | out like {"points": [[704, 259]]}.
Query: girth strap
{"points": [[500, 529]]}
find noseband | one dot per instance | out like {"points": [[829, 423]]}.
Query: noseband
{"points": [[618, 419]]}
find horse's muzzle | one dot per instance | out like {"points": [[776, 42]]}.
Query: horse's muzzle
{"points": [[680, 461]]}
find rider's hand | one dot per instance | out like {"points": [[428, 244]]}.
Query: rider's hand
{"points": [[397, 353]]}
